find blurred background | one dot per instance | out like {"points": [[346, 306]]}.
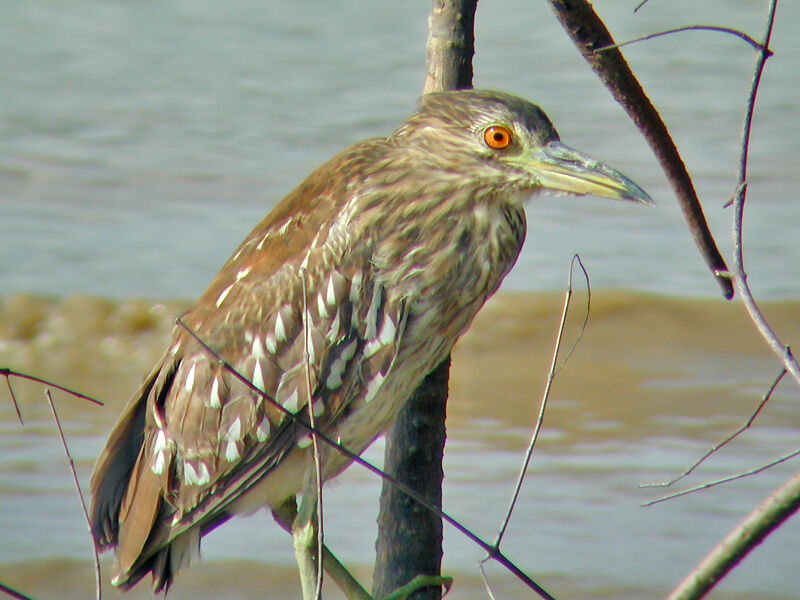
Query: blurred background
{"points": [[141, 141]]}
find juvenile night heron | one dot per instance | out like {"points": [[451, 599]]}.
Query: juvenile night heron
{"points": [[336, 306]]}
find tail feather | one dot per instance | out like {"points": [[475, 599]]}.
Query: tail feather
{"points": [[113, 469], [164, 564]]}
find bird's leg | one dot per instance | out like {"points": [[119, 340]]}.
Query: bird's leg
{"points": [[286, 516], [304, 534]]}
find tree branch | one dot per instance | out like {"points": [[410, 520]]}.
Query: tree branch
{"points": [[590, 35]]}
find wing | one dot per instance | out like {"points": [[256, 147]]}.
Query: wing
{"points": [[295, 287]]}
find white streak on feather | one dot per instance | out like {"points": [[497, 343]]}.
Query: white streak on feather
{"points": [[231, 451], [158, 463], [285, 226], [355, 287], [263, 239], [262, 431], [280, 328], [333, 332], [161, 441], [189, 474], [322, 308], [291, 402], [373, 387], [330, 297], [213, 398], [339, 365], [319, 408], [269, 342], [223, 295], [204, 477], [258, 377], [243, 273], [234, 430], [189, 383], [258, 348]]}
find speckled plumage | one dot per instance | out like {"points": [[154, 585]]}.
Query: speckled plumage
{"points": [[392, 247]]}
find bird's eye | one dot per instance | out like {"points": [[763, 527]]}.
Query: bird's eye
{"points": [[497, 137]]}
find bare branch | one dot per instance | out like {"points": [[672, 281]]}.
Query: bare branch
{"points": [[589, 33], [13, 593], [728, 30], [726, 440], [71, 463], [6, 372], [727, 479], [14, 398], [740, 276], [554, 368], [778, 507]]}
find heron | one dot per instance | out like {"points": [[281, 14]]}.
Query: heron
{"points": [[331, 312]]}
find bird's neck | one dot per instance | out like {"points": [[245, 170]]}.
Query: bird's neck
{"points": [[457, 251]]}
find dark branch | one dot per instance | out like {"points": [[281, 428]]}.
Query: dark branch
{"points": [[589, 34], [6, 372]]}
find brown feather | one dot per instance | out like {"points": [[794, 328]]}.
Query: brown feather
{"points": [[347, 294]]}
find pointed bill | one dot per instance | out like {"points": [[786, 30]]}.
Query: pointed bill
{"points": [[558, 167]]}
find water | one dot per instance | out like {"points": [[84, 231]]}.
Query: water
{"points": [[139, 142]]}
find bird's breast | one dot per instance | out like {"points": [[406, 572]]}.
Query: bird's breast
{"points": [[452, 257]]}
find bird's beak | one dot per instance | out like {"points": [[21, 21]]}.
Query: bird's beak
{"points": [[556, 166]]}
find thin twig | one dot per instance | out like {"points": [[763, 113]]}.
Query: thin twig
{"points": [[314, 440], [740, 277], [726, 440], [6, 372], [554, 368], [727, 479], [735, 32], [14, 399], [71, 463], [495, 553], [486, 583], [13, 593], [640, 5]]}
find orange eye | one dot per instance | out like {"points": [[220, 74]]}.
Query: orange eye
{"points": [[497, 137]]}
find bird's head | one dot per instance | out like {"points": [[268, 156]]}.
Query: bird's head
{"points": [[495, 140]]}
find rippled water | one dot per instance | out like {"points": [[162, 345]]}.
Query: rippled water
{"points": [[652, 385], [139, 142]]}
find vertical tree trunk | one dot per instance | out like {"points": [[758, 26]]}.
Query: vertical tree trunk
{"points": [[409, 536]]}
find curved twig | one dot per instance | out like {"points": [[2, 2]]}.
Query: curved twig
{"points": [[554, 368], [739, 275], [728, 479], [735, 32], [71, 463], [725, 440]]}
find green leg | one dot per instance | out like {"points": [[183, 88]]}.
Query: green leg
{"points": [[304, 536], [286, 516]]}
